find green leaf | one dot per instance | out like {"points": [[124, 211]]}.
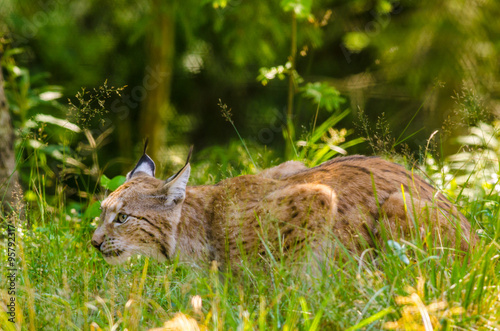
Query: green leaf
{"points": [[44, 118], [93, 210], [371, 319], [280, 72], [384, 7], [105, 181], [116, 182], [323, 95], [302, 8], [30, 196], [112, 184], [219, 4], [399, 251], [356, 41], [316, 321], [13, 51]]}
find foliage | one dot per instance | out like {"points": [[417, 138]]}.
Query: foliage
{"points": [[383, 55], [476, 165], [112, 184], [92, 105], [44, 136], [301, 8], [325, 142], [323, 95], [379, 138], [471, 176], [267, 74], [52, 154]]}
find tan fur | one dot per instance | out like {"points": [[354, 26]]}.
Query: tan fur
{"points": [[357, 200]]}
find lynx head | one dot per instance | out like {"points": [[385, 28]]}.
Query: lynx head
{"points": [[141, 216]]}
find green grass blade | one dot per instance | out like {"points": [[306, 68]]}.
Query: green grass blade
{"points": [[371, 319]]}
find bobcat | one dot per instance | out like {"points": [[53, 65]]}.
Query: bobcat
{"points": [[359, 201]]}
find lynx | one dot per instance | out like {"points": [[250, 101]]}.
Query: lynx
{"points": [[355, 201]]}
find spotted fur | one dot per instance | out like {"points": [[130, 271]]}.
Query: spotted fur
{"points": [[358, 201]]}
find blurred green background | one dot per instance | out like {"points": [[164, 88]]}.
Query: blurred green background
{"points": [[401, 69]]}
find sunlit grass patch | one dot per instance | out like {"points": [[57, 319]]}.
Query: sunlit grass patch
{"points": [[73, 288]]}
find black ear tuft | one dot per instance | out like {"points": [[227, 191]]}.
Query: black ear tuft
{"points": [[185, 165], [145, 164], [189, 154], [146, 142]]}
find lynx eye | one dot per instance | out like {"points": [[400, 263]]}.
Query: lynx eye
{"points": [[121, 218]]}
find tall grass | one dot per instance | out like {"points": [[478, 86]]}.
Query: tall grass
{"points": [[64, 284]]}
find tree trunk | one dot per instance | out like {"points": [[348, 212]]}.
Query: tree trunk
{"points": [[8, 174], [156, 109]]}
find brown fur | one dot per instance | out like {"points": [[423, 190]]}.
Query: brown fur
{"points": [[357, 199]]}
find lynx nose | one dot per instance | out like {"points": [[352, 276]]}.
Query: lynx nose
{"points": [[96, 242]]}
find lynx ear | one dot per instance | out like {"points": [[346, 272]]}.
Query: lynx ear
{"points": [[145, 165], [175, 187]]}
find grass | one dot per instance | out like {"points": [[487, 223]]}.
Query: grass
{"points": [[64, 284]]}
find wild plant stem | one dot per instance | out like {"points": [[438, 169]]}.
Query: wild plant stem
{"points": [[291, 81], [226, 113], [244, 145], [315, 119], [293, 52]]}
